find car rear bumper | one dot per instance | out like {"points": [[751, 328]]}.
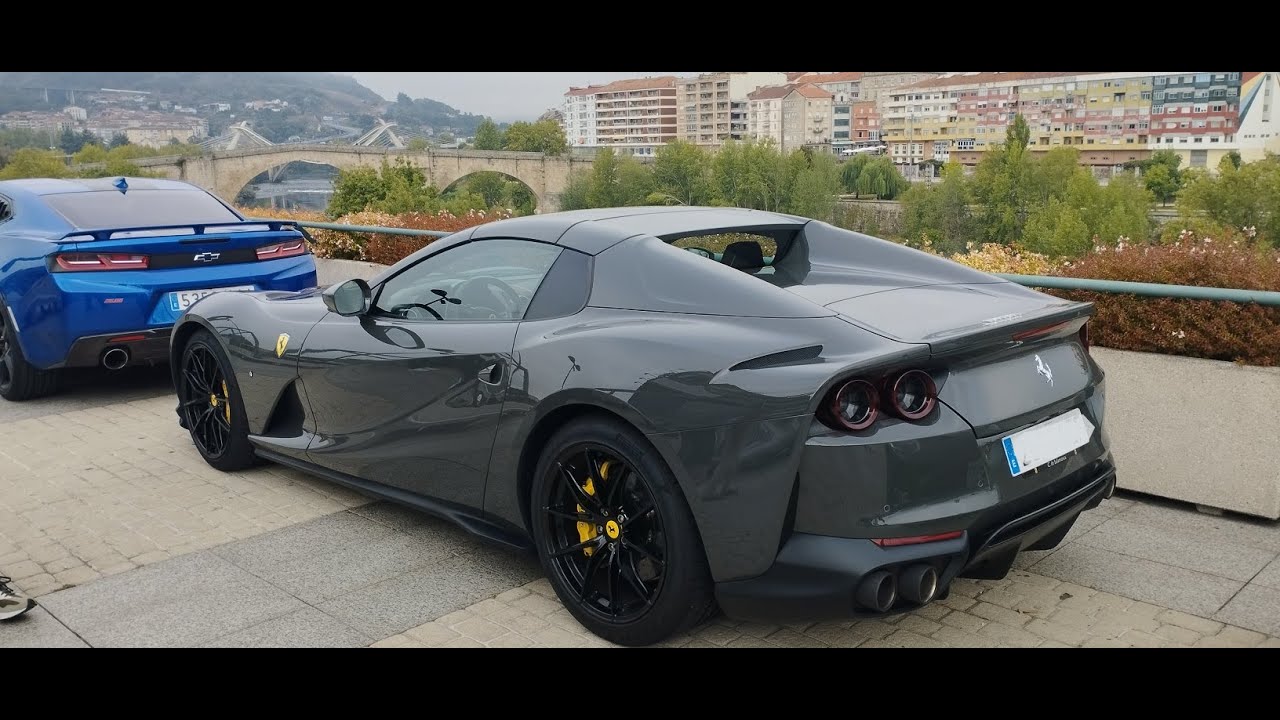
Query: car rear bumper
{"points": [[818, 577], [142, 347]]}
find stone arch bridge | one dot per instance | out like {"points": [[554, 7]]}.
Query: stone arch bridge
{"points": [[226, 173]]}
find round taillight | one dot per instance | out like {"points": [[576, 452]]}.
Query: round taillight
{"points": [[914, 395], [853, 406]]}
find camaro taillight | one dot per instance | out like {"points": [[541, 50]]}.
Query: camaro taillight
{"points": [[282, 250], [855, 405], [78, 262]]}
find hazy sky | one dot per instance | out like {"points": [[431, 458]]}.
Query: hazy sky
{"points": [[505, 96]]}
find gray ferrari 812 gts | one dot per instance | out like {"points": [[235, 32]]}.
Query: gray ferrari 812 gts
{"points": [[678, 409]]}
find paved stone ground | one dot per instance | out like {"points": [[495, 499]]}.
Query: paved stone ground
{"points": [[112, 520], [97, 485]]}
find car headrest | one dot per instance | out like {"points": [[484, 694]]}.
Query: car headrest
{"points": [[744, 255]]}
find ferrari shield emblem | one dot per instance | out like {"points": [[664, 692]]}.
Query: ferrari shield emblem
{"points": [[282, 342]]}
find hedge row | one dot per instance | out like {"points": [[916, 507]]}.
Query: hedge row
{"points": [[1237, 332]]}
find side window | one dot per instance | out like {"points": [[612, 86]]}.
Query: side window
{"points": [[478, 280]]}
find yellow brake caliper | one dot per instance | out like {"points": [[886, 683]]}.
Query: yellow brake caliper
{"points": [[226, 401], [587, 531]]}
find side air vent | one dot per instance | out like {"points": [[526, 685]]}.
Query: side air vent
{"points": [[798, 356]]}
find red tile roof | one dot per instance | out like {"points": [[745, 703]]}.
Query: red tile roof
{"points": [[818, 78], [813, 91], [771, 92]]}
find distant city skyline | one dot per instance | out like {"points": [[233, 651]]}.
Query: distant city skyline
{"points": [[506, 97]]}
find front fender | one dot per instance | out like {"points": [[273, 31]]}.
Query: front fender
{"points": [[261, 334]]}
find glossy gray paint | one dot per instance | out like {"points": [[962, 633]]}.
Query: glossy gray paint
{"points": [[722, 371]]}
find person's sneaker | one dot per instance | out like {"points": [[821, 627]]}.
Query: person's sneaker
{"points": [[12, 602]]}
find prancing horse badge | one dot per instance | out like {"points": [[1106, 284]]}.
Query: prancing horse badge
{"points": [[282, 342]]}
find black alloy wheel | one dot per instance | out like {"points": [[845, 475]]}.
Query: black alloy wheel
{"points": [[210, 404], [616, 536]]}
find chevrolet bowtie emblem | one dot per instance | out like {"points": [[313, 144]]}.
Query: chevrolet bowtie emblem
{"points": [[207, 257]]}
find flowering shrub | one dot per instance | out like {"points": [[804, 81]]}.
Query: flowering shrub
{"points": [[997, 258], [1239, 332]]}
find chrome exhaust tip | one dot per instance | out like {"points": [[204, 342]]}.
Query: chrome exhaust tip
{"points": [[115, 358]]}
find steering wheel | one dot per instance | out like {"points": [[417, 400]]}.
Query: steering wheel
{"points": [[404, 308], [702, 251], [508, 297]]}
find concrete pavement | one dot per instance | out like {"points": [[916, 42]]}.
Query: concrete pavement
{"points": [[114, 522]]}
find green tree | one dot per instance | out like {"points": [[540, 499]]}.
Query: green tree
{"points": [[33, 163], [1232, 157], [418, 144], [1051, 173], [681, 170], [850, 171], [577, 192], [1057, 229], [1247, 197], [118, 140], [354, 190], [880, 178], [544, 136], [488, 136], [1000, 185], [491, 186], [91, 153], [1161, 182], [519, 198], [814, 189], [604, 190], [939, 213], [71, 140], [405, 189]]}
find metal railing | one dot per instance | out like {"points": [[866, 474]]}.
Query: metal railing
{"points": [[1188, 292]]}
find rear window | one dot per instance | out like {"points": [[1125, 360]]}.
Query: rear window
{"points": [[139, 208]]}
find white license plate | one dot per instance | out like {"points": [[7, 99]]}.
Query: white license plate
{"points": [[183, 299], [1028, 449]]}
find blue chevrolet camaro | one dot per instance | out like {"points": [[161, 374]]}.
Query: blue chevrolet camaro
{"points": [[95, 272]]}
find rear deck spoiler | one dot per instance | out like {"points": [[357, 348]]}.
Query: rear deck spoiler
{"points": [[196, 229]]}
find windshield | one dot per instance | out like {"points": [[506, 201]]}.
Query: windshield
{"points": [[139, 208]]}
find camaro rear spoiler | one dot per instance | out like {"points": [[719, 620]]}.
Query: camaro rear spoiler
{"points": [[195, 229]]}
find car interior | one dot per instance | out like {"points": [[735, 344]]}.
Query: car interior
{"points": [[749, 252]]}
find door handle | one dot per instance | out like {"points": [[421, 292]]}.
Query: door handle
{"points": [[491, 374]]}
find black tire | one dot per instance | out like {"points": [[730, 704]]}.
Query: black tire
{"points": [[222, 441], [19, 379], [682, 592]]}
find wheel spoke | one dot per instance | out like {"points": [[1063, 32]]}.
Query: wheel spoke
{"points": [[633, 579], [195, 381], [613, 583], [575, 516], [589, 575], [641, 549], [576, 547], [613, 490], [632, 518], [585, 500]]}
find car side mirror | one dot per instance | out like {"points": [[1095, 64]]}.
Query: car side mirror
{"points": [[347, 298]]}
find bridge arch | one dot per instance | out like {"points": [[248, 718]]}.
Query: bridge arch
{"points": [[498, 189], [225, 173]]}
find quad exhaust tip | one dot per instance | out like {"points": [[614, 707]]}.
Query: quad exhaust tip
{"points": [[115, 358], [877, 591], [919, 583]]}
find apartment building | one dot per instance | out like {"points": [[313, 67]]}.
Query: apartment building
{"points": [[635, 116], [866, 122], [792, 116], [579, 116], [960, 116], [874, 84], [1193, 113], [713, 107], [844, 88]]}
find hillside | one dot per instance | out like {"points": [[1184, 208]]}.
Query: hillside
{"points": [[310, 97]]}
